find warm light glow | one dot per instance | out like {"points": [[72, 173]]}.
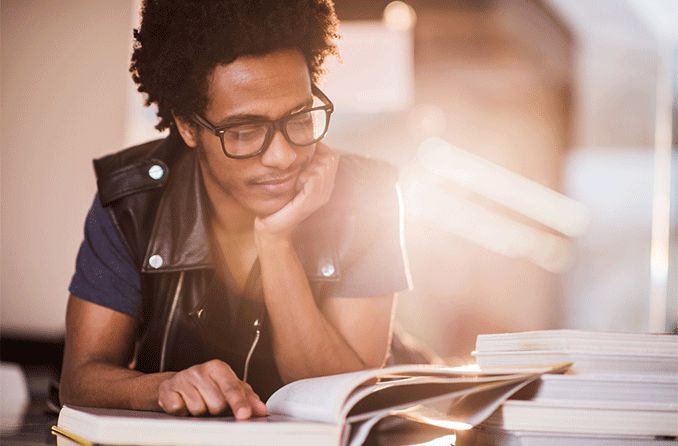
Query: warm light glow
{"points": [[432, 203], [399, 16], [472, 367], [505, 187], [446, 424], [426, 120], [445, 440]]}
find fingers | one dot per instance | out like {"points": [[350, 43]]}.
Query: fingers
{"points": [[209, 388], [324, 161], [239, 395], [193, 399], [322, 148], [236, 398], [258, 406], [209, 392], [172, 403], [314, 189]]}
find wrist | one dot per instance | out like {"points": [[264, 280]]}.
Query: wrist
{"points": [[266, 237], [271, 241]]}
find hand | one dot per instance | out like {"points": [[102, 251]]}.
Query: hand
{"points": [[210, 387], [314, 186]]}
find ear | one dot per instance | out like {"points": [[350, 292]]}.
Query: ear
{"points": [[188, 131]]}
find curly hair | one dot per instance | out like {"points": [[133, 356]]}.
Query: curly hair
{"points": [[180, 42]]}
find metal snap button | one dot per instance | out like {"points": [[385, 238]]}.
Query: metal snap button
{"points": [[327, 270], [156, 172], [155, 261]]}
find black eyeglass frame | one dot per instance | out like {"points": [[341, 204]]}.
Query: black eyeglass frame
{"points": [[272, 126]]}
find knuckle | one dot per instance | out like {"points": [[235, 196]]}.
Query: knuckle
{"points": [[196, 412], [179, 381], [236, 396], [195, 373], [217, 407], [179, 375], [226, 386], [217, 366], [196, 408], [173, 406]]}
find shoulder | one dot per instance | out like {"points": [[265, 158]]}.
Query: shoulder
{"points": [[359, 166], [353, 244], [130, 185], [363, 181], [365, 202], [135, 169]]}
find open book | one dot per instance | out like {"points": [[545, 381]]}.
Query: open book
{"points": [[339, 409]]}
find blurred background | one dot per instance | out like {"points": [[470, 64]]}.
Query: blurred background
{"points": [[534, 140]]}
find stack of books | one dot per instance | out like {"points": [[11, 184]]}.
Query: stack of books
{"points": [[622, 389]]}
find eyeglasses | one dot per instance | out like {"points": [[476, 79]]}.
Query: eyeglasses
{"points": [[251, 138]]}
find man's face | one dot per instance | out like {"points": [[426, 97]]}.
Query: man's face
{"points": [[268, 87]]}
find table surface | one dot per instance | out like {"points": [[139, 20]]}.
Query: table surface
{"points": [[34, 429]]}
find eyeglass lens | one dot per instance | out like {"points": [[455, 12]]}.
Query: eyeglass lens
{"points": [[301, 129]]}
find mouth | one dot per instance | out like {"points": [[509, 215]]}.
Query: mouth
{"points": [[277, 185]]}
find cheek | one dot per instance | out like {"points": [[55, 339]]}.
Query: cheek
{"points": [[224, 173], [305, 155], [231, 179]]}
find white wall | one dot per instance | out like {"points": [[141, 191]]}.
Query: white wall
{"points": [[63, 103]]}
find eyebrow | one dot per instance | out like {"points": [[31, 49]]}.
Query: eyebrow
{"points": [[244, 117]]}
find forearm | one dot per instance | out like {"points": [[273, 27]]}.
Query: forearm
{"points": [[305, 344], [102, 384]]}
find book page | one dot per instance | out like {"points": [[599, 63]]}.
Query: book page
{"points": [[322, 398], [317, 399], [411, 390], [456, 410]]}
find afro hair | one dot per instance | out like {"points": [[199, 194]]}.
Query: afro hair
{"points": [[180, 42]]}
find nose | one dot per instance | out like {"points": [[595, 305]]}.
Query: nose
{"points": [[280, 154]]}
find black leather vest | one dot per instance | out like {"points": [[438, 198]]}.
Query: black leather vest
{"points": [[155, 196]]}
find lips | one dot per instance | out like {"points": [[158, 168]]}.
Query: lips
{"points": [[277, 185]]}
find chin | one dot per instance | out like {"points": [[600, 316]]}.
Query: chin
{"points": [[264, 208]]}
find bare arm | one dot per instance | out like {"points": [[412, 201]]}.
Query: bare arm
{"points": [[346, 334], [99, 348]]}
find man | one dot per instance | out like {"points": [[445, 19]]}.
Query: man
{"points": [[240, 253]]}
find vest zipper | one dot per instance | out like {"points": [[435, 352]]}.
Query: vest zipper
{"points": [[170, 318], [257, 334]]}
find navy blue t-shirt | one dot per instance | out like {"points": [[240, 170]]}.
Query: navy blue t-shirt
{"points": [[105, 273], [104, 270]]}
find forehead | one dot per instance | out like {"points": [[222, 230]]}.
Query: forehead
{"points": [[266, 85]]}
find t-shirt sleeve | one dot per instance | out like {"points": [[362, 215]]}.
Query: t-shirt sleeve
{"points": [[105, 273], [376, 264]]}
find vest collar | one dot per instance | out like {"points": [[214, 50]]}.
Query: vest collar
{"points": [[180, 236]]}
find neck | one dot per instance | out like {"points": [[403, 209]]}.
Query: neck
{"points": [[229, 216]]}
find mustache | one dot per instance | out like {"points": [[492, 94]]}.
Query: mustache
{"points": [[276, 176]]}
